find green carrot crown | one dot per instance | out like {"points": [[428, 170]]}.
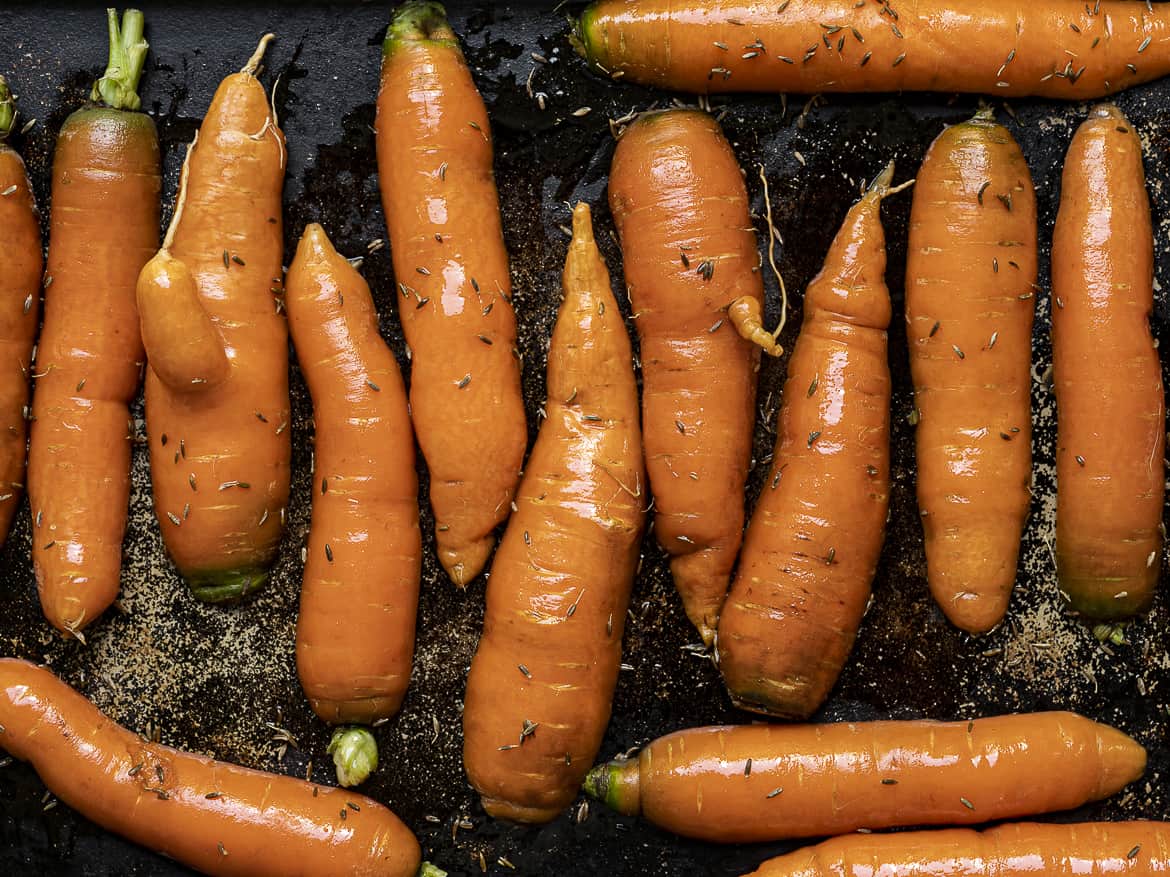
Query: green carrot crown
{"points": [[7, 110], [118, 87], [419, 21]]}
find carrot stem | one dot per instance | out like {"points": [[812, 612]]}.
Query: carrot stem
{"points": [[429, 870], [118, 87], [355, 755], [7, 110], [419, 21], [253, 64]]}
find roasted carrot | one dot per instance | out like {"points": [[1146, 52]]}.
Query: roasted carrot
{"points": [[217, 817], [359, 594], [217, 405], [689, 250], [103, 228], [1054, 48], [539, 692], [20, 306], [1014, 850], [434, 151], [766, 782], [970, 298], [1110, 405], [813, 543]]}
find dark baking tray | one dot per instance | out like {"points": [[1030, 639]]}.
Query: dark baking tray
{"points": [[217, 680]]}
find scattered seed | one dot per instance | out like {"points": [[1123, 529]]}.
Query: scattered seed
{"points": [[238, 260], [747, 768], [785, 59], [211, 796], [831, 556], [967, 804], [813, 436], [527, 673], [324, 486], [959, 353], [715, 326], [889, 782], [897, 32], [812, 388], [680, 427], [983, 189], [1145, 44], [1080, 460], [1073, 27], [899, 60], [994, 338], [9, 190], [222, 851], [934, 329], [706, 269], [865, 58], [464, 381], [776, 791], [191, 481], [243, 485], [1006, 200], [227, 259], [1132, 854], [328, 553], [582, 111]]}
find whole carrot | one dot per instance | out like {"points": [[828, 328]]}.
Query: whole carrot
{"points": [[539, 692], [1053, 48], [1108, 381], [813, 543], [689, 250], [20, 307], [1016, 850], [217, 405], [103, 228], [435, 169], [750, 783], [970, 289]]}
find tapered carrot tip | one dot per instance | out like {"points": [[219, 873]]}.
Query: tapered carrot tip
{"points": [[582, 224], [703, 587], [746, 316], [465, 562], [616, 785], [1123, 760], [416, 22], [507, 811]]}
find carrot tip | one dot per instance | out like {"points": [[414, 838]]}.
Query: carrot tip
{"points": [[253, 64], [582, 223]]}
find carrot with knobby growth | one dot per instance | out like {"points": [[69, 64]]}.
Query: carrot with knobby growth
{"points": [[103, 228], [689, 250], [1054, 48], [747, 783], [812, 547], [970, 299], [539, 692], [1110, 405], [217, 404], [442, 210]]}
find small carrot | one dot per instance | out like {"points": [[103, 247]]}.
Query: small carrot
{"points": [[539, 692], [747, 783], [435, 168], [689, 250], [1111, 415], [1054, 48], [813, 543], [970, 299], [217, 404], [103, 228]]}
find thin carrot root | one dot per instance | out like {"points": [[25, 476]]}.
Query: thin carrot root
{"points": [[253, 65], [745, 315]]}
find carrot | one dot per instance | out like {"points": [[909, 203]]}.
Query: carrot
{"points": [[217, 404], [1108, 381], [813, 543], [539, 692], [20, 304], [1055, 48], [689, 250], [103, 228], [767, 782], [216, 817], [970, 288], [434, 152], [1014, 850], [359, 595]]}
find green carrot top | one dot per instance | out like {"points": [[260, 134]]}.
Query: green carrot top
{"points": [[118, 87]]}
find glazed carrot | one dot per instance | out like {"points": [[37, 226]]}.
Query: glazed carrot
{"points": [[217, 405], [359, 595], [539, 692], [210, 815], [20, 305], [435, 168], [689, 250], [1015, 850], [1053, 48], [1108, 381], [103, 228], [751, 783], [970, 289], [812, 547]]}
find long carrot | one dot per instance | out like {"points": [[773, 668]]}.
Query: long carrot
{"points": [[970, 298], [1053, 48], [435, 169], [689, 250], [103, 228], [1111, 416], [1015, 850], [20, 306], [217, 405], [813, 543], [539, 692], [766, 782]]}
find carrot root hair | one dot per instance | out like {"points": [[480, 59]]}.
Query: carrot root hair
{"points": [[253, 65]]}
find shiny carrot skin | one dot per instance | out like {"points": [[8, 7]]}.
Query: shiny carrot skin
{"points": [[812, 547], [103, 228], [750, 783], [1110, 404], [434, 152], [1053, 48], [216, 817], [689, 250], [970, 300], [539, 692], [217, 406], [1014, 850], [359, 594]]}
